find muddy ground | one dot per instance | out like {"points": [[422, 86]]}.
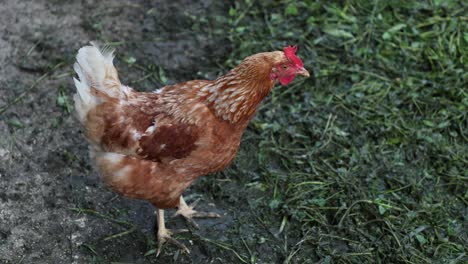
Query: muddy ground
{"points": [[49, 193]]}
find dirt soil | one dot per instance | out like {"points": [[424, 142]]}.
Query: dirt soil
{"points": [[52, 202]]}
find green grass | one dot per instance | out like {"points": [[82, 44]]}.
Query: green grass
{"points": [[366, 162]]}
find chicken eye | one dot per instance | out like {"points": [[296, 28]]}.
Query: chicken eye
{"points": [[285, 67]]}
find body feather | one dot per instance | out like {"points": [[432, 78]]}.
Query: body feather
{"points": [[154, 145]]}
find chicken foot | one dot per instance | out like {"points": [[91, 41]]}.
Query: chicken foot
{"points": [[165, 235], [188, 213]]}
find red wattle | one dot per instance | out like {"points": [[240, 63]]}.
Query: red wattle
{"points": [[286, 80]]}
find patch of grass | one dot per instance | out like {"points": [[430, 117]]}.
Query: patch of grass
{"points": [[131, 228], [366, 161], [64, 101]]}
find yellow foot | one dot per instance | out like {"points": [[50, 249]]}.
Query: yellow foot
{"points": [[165, 235], [188, 213]]}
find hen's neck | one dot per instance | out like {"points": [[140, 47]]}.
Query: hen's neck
{"points": [[236, 96], [233, 97]]}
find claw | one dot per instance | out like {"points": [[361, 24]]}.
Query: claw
{"points": [[164, 235], [194, 203], [205, 214], [188, 213], [191, 222], [178, 231]]}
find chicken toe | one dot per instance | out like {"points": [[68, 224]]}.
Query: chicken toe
{"points": [[188, 213], [165, 235]]}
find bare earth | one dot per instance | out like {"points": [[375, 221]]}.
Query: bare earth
{"points": [[45, 174]]}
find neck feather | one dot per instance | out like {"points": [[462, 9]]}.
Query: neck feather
{"points": [[236, 96], [233, 97]]}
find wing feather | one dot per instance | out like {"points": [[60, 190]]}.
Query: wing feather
{"points": [[141, 128]]}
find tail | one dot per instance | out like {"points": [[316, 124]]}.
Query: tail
{"points": [[95, 71]]}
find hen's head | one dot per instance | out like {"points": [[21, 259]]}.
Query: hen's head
{"points": [[286, 68], [236, 95]]}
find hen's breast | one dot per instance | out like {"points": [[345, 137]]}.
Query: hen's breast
{"points": [[214, 150], [224, 146]]}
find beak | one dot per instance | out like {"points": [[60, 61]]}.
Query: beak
{"points": [[303, 72]]}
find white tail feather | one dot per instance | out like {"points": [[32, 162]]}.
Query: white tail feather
{"points": [[95, 70]]}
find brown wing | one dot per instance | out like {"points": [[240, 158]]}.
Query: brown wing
{"points": [[140, 127], [173, 141]]}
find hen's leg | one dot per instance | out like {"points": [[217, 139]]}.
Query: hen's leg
{"points": [[188, 213], [164, 235]]}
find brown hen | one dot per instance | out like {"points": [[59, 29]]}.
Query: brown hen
{"points": [[153, 145]]}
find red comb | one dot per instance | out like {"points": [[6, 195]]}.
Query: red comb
{"points": [[290, 53]]}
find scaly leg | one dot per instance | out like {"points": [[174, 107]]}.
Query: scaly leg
{"points": [[164, 235], [188, 213]]}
